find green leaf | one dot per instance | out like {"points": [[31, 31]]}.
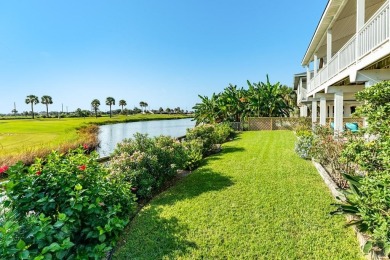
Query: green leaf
{"points": [[387, 250], [102, 238], [21, 245], [367, 247], [52, 248], [58, 224], [24, 254], [61, 216]]}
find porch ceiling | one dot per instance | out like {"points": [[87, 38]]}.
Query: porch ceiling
{"points": [[340, 15]]}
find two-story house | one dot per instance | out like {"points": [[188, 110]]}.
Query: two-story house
{"points": [[350, 50]]}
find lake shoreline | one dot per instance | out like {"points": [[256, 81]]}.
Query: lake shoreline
{"points": [[67, 131]]}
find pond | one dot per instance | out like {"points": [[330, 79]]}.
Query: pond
{"points": [[110, 135]]}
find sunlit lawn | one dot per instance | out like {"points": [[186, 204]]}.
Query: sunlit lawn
{"points": [[255, 200]]}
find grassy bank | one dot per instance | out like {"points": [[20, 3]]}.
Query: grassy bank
{"points": [[24, 138], [255, 200]]}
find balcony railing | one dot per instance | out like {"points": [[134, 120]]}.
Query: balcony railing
{"points": [[374, 33]]}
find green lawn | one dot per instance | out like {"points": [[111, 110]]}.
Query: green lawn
{"points": [[24, 135], [255, 200]]}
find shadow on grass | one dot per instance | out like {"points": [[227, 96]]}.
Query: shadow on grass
{"points": [[225, 150], [152, 236], [201, 181]]}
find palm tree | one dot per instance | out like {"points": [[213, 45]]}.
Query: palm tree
{"points": [[122, 103], [143, 104], [33, 100], [270, 100], [47, 100], [109, 102], [208, 110], [95, 105]]}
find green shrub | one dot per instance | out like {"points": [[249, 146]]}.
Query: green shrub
{"points": [[368, 198], [223, 132], [304, 144], [66, 206], [147, 163], [209, 135], [193, 151]]}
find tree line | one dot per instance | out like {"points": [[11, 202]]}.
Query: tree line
{"points": [[95, 104], [233, 104]]}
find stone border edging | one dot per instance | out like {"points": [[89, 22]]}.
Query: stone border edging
{"points": [[336, 193]]}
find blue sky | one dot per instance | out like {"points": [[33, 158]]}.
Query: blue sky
{"points": [[164, 52]]}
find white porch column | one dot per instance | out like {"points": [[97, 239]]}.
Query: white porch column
{"points": [[331, 111], [323, 111], [315, 65], [303, 110], [314, 111], [347, 110], [308, 78], [328, 46], [338, 112], [360, 17]]}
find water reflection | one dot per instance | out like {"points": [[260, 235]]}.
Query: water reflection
{"points": [[110, 135]]}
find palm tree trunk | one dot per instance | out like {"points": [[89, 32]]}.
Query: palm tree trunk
{"points": [[32, 110], [47, 110], [110, 111]]}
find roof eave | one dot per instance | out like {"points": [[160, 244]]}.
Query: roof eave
{"points": [[328, 17]]}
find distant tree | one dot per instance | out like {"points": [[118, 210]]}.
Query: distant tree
{"points": [[95, 105], [168, 110], [33, 100], [122, 103], [47, 100], [109, 102], [160, 110], [136, 110], [143, 104], [177, 110], [14, 111]]}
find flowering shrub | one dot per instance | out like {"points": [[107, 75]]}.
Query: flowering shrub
{"points": [[209, 135], [3, 170], [193, 151], [304, 144], [66, 206], [147, 163]]}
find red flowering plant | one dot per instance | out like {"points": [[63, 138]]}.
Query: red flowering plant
{"points": [[3, 170], [54, 205]]}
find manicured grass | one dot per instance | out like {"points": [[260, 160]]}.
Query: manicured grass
{"points": [[255, 200], [25, 135]]}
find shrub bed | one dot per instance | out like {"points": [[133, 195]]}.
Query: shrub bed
{"points": [[70, 206], [62, 207]]}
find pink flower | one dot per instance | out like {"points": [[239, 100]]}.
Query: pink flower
{"points": [[85, 146], [82, 167], [38, 173], [4, 168]]}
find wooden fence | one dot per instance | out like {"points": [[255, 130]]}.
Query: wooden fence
{"points": [[275, 123], [289, 123]]}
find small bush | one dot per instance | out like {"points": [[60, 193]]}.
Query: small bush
{"points": [[304, 144], [223, 132], [193, 150], [147, 163], [209, 135], [66, 206]]}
